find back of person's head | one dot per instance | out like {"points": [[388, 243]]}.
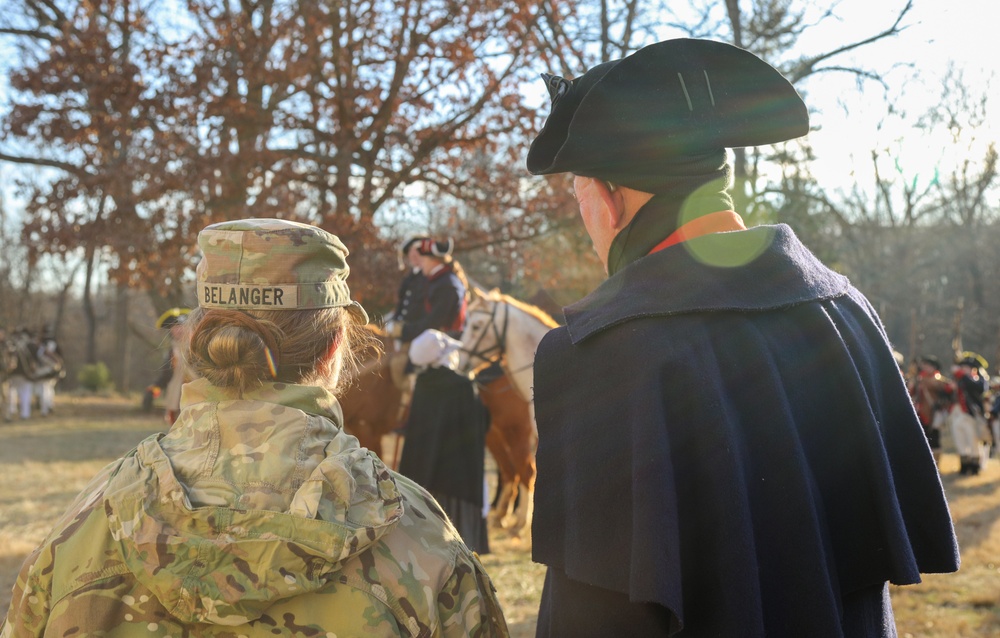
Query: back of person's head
{"points": [[274, 305], [655, 126]]}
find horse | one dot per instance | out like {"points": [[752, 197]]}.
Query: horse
{"points": [[501, 330], [374, 403], [511, 441]]}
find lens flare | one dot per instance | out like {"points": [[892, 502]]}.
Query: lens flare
{"points": [[270, 363]]}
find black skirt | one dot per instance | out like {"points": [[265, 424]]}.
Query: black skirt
{"points": [[444, 449]]}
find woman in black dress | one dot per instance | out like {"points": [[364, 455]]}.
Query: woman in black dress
{"points": [[446, 428]]}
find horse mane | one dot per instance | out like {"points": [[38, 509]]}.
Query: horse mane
{"points": [[534, 311]]}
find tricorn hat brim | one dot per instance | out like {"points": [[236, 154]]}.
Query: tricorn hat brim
{"points": [[645, 113], [973, 359]]}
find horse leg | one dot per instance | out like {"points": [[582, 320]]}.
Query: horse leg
{"points": [[498, 448], [521, 441], [527, 509]]}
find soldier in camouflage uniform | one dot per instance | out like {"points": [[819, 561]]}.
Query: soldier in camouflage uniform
{"points": [[256, 515]]}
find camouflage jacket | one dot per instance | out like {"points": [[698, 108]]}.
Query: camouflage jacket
{"points": [[253, 517]]}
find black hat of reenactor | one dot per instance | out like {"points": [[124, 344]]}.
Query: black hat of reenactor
{"points": [[405, 248], [634, 120], [406, 245], [435, 248], [172, 317], [971, 359], [931, 360]]}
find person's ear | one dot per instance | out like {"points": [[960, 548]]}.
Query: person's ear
{"points": [[611, 197]]}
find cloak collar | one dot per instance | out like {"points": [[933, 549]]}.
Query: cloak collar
{"points": [[763, 268]]}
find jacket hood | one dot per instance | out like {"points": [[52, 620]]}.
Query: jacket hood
{"points": [[246, 502]]}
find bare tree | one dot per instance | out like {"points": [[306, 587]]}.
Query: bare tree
{"points": [[82, 108]]}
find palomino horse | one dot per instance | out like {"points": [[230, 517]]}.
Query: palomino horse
{"points": [[502, 330]]}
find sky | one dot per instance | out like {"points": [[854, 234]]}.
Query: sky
{"points": [[848, 124], [940, 34]]}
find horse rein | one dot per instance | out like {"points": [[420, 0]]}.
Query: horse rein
{"points": [[501, 342], [501, 338]]}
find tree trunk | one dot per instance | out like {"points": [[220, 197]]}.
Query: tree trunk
{"points": [[121, 339], [61, 302], [88, 308]]}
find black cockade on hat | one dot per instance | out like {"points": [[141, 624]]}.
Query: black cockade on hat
{"points": [[632, 120]]}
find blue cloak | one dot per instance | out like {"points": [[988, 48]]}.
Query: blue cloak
{"points": [[729, 451]]}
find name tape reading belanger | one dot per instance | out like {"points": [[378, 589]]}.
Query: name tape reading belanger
{"points": [[247, 295]]}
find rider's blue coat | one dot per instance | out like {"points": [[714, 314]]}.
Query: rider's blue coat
{"points": [[729, 451]]}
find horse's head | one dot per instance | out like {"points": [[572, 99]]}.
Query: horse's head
{"points": [[483, 335]]}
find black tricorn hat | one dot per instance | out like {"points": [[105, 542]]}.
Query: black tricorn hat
{"points": [[406, 245], [172, 317], [972, 359], [931, 360], [436, 248], [632, 120]]}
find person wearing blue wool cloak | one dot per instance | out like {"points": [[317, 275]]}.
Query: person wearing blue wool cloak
{"points": [[726, 445]]}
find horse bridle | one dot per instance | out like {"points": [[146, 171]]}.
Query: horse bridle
{"points": [[501, 337]]}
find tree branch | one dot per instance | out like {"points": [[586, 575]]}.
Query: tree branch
{"points": [[807, 66], [38, 161]]}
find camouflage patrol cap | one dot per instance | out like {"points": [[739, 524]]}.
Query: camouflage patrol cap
{"points": [[273, 264]]}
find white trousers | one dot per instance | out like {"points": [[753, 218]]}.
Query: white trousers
{"points": [[46, 389], [964, 432], [19, 394]]}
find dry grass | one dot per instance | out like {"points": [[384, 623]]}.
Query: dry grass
{"points": [[967, 603], [45, 463]]}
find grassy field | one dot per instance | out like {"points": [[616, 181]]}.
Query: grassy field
{"points": [[45, 463]]}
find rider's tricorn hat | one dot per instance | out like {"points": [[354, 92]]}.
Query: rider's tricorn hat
{"points": [[436, 248], [630, 121], [405, 248], [406, 245]]}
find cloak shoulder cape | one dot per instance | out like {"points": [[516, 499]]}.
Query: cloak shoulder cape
{"points": [[733, 444]]}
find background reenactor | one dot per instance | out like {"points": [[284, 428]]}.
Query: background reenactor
{"points": [[968, 412], [932, 395], [49, 369], [20, 378]]}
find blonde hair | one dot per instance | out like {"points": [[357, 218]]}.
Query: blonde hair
{"points": [[240, 350]]}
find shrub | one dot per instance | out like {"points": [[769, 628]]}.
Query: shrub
{"points": [[94, 377]]}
